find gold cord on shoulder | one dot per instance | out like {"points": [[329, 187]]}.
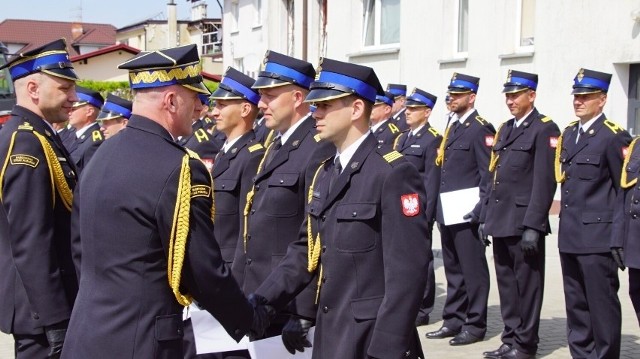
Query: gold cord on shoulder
{"points": [[440, 156], [313, 246], [624, 183], [395, 142], [559, 174], [494, 157]]}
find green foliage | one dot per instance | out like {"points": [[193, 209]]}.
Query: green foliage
{"points": [[118, 88], [211, 85]]}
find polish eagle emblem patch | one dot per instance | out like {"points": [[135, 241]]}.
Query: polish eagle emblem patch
{"points": [[410, 204]]}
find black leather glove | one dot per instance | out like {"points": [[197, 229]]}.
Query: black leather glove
{"points": [[262, 315], [484, 238], [55, 336], [618, 254], [471, 217], [529, 242], [294, 334]]}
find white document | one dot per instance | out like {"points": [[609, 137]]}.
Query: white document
{"points": [[272, 348], [456, 204], [211, 337]]}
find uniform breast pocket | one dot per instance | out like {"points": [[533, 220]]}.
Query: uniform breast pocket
{"points": [[633, 168], [414, 155], [521, 154], [460, 146], [225, 195], [283, 194], [356, 228], [588, 166]]}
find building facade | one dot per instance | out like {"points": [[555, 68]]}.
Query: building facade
{"points": [[422, 43]]}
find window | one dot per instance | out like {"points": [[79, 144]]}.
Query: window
{"points": [[258, 12], [211, 39], [462, 29], [633, 122], [525, 29], [234, 15], [381, 25]]}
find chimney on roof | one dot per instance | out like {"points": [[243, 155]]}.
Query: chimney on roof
{"points": [[76, 30], [198, 11], [172, 24]]}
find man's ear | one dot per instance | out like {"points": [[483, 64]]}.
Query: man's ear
{"points": [[169, 101], [358, 108]]}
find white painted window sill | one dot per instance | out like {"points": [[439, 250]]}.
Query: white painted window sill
{"points": [[452, 60], [375, 51], [517, 55]]}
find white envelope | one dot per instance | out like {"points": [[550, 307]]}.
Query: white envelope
{"points": [[272, 348], [210, 336], [456, 204]]}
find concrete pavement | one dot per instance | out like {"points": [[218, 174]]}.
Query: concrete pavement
{"points": [[553, 339]]}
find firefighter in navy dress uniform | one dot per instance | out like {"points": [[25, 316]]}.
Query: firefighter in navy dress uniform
{"points": [[589, 166], [382, 126], [420, 146], [464, 161], [398, 109], [365, 234], [38, 285], [200, 141], [114, 115], [517, 213], [144, 214], [88, 136]]}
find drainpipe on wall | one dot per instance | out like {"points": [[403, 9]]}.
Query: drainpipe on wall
{"points": [[304, 30]]}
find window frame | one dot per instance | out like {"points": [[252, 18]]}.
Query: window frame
{"points": [[456, 30], [377, 26], [518, 31]]}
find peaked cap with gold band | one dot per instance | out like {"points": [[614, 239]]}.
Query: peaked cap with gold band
{"points": [[461, 83], [115, 107], [51, 59], [280, 70], [589, 81], [519, 81], [174, 66], [398, 90], [420, 98], [88, 97], [338, 79], [236, 86]]}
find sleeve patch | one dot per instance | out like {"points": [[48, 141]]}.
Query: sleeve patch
{"points": [[553, 142], [410, 204], [200, 191], [25, 160], [488, 140]]}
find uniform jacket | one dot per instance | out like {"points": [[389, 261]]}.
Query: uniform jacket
{"points": [[373, 257], [262, 132], [126, 199], [387, 133], [400, 120], [466, 160], [278, 207], [627, 212], [523, 181], [38, 284], [592, 170], [233, 174], [201, 142], [86, 145], [421, 150]]}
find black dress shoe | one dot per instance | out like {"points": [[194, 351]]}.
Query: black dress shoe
{"points": [[422, 321], [464, 338], [496, 353], [443, 332], [516, 354]]}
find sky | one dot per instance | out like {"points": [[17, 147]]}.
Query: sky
{"points": [[119, 13]]}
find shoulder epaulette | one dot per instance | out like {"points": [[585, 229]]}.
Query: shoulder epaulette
{"points": [[393, 128], [571, 124], [192, 154], [25, 127], [317, 137], [434, 132], [614, 127], [256, 147], [545, 119], [481, 120], [392, 156], [96, 136]]}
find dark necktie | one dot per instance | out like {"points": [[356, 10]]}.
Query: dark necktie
{"points": [[408, 139], [455, 125], [580, 133], [337, 168], [273, 150]]}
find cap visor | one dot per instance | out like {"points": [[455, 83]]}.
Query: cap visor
{"points": [[458, 90], [198, 87], [584, 90], [319, 95], [104, 116], [65, 73], [411, 103], [268, 82], [514, 89], [222, 94]]}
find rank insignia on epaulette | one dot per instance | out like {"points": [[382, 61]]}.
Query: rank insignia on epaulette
{"points": [[25, 160], [256, 147], [200, 191], [545, 119], [614, 127], [481, 120], [25, 126], [434, 132], [96, 136], [317, 137], [392, 156]]}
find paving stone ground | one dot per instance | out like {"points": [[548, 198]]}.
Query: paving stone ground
{"points": [[553, 339]]}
